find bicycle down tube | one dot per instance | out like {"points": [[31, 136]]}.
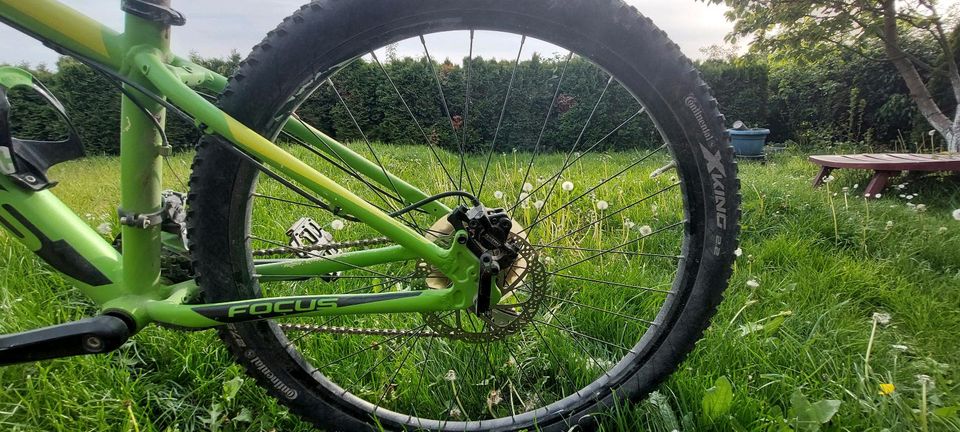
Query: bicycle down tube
{"points": [[132, 286]]}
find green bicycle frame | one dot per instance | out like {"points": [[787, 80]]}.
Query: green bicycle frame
{"points": [[129, 284]]}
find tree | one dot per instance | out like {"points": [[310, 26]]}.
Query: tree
{"points": [[808, 27]]}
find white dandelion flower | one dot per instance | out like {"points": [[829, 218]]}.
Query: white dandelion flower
{"points": [[524, 200], [882, 318], [451, 375], [752, 283], [738, 252], [567, 186], [646, 230], [498, 194], [336, 225], [494, 398], [602, 205], [105, 228], [527, 187]]}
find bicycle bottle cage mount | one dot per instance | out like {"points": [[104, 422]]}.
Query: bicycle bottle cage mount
{"points": [[26, 161]]}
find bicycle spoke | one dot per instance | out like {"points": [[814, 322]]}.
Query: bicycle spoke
{"points": [[466, 110], [597, 309], [426, 139], [344, 167], [606, 251], [584, 153], [629, 253], [503, 110], [610, 215], [585, 193], [543, 128], [446, 111], [366, 141], [576, 143]]}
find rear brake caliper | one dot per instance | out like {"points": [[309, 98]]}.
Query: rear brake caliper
{"points": [[487, 233]]}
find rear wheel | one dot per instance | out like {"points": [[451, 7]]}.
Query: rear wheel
{"points": [[626, 232]]}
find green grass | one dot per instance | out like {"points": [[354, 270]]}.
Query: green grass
{"points": [[823, 265]]}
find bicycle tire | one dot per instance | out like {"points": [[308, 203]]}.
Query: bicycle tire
{"points": [[624, 42]]}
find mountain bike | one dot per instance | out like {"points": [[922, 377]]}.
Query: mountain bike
{"points": [[477, 273]]}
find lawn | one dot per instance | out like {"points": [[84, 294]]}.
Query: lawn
{"points": [[834, 299]]}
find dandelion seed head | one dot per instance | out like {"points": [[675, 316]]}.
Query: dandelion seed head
{"points": [[629, 224], [336, 225], [921, 208], [738, 252], [752, 283], [646, 230], [494, 398], [846, 189], [451, 375], [956, 214], [524, 200], [567, 186], [889, 224], [877, 196], [942, 230], [899, 347], [856, 185], [539, 204], [924, 379], [527, 187], [881, 318], [498, 194], [105, 228], [455, 412], [602, 205]]}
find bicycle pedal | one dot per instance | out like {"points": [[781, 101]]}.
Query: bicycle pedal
{"points": [[308, 240], [97, 335]]}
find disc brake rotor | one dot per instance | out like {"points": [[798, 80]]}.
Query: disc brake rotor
{"points": [[523, 288]]}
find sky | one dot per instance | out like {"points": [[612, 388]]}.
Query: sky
{"points": [[213, 30]]}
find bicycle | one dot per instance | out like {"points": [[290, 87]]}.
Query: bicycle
{"points": [[501, 311]]}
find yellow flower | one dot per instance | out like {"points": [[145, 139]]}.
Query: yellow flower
{"points": [[887, 389]]}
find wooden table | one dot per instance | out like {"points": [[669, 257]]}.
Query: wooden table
{"points": [[884, 166]]}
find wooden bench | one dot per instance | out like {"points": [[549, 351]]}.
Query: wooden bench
{"points": [[884, 166]]}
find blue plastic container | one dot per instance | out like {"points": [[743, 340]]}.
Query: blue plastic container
{"points": [[748, 142]]}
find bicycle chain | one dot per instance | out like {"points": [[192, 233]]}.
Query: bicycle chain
{"points": [[313, 328], [322, 247]]}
